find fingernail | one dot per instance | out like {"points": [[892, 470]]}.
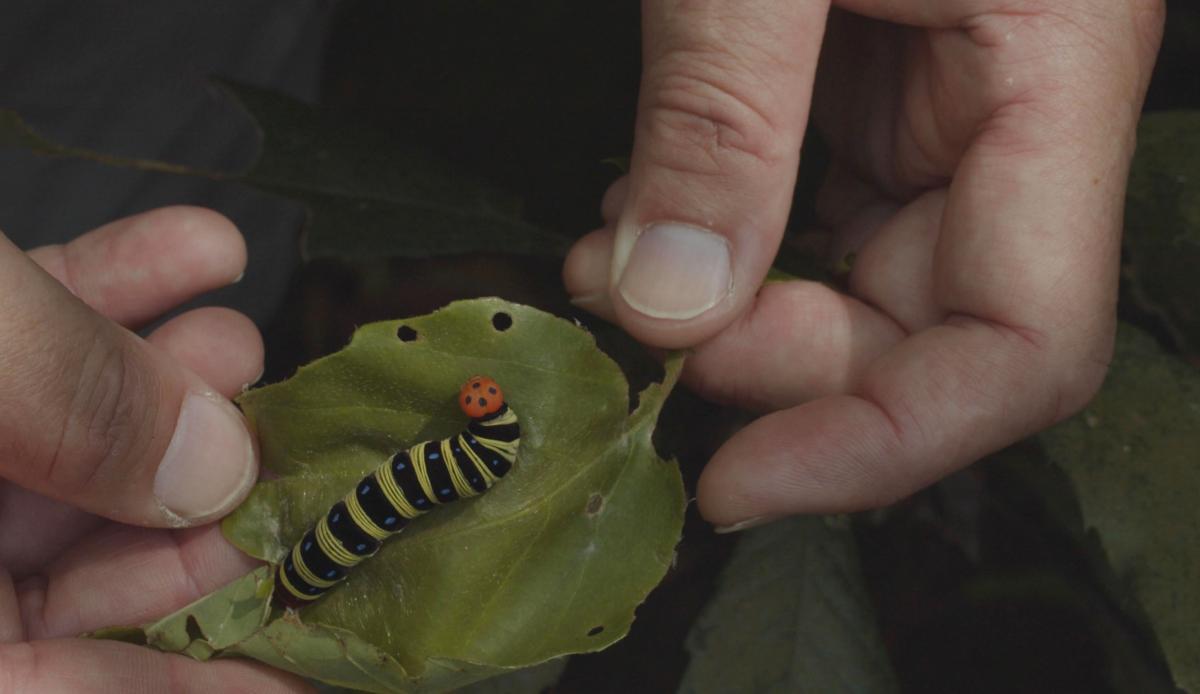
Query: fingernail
{"points": [[744, 525], [676, 271], [209, 464]]}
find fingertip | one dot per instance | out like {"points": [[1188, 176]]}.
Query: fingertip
{"points": [[134, 268], [220, 345], [210, 235], [830, 455], [210, 464], [586, 268]]}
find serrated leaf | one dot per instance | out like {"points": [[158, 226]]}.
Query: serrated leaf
{"points": [[1132, 459], [1162, 220], [791, 615], [553, 560]]}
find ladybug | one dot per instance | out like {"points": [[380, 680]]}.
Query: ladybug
{"points": [[480, 397]]}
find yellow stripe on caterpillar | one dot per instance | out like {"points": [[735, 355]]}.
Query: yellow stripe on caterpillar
{"points": [[393, 493], [333, 548], [461, 486], [362, 520]]}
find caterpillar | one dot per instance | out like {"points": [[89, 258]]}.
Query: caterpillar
{"points": [[412, 483]]}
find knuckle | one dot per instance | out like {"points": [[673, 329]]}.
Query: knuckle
{"points": [[102, 424], [703, 117]]}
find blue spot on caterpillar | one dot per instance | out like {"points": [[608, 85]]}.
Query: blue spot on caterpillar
{"points": [[383, 502]]}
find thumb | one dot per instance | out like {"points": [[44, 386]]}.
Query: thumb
{"points": [[93, 416], [724, 100]]}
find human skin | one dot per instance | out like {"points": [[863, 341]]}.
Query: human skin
{"points": [[89, 413], [980, 150], [980, 153]]}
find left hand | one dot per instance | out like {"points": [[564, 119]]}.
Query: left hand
{"points": [[88, 409]]}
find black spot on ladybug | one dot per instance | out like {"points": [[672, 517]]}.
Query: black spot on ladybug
{"points": [[483, 402], [467, 399]]}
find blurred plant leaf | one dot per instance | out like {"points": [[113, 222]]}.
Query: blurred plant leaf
{"points": [[369, 192], [791, 615], [1131, 459], [14, 132], [1162, 220], [552, 561]]}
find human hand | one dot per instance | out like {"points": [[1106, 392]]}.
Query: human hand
{"points": [[980, 152], [94, 420]]}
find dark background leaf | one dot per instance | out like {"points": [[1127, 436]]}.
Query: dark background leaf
{"points": [[1131, 458], [1162, 222], [791, 615], [373, 191]]}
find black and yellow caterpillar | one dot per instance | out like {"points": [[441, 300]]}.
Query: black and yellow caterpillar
{"points": [[410, 484]]}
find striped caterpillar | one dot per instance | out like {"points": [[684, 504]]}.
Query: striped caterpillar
{"points": [[409, 485]]}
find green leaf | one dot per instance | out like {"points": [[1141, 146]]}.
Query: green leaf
{"points": [[1162, 220], [1131, 458], [552, 561], [532, 680], [791, 615]]}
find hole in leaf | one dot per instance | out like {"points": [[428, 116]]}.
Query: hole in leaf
{"points": [[501, 321], [595, 630], [594, 504], [406, 334], [193, 629]]}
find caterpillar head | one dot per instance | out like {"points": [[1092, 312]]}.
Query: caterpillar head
{"points": [[480, 396]]}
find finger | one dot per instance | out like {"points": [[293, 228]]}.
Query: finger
{"points": [[38, 529], [893, 265], [10, 610], [141, 573], [219, 345], [798, 341], [136, 268], [932, 14], [614, 200], [724, 99], [939, 400], [93, 416], [852, 209], [585, 273], [101, 667]]}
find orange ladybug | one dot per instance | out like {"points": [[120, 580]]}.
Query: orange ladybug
{"points": [[480, 396]]}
